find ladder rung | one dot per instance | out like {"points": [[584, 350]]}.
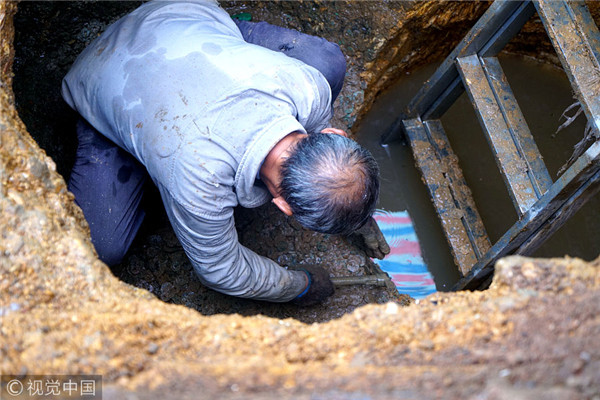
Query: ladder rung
{"points": [[515, 150], [537, 172], [447, 187], [576, 40], [501, 21], [566, 195]]}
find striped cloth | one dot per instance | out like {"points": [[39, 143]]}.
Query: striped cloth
{"points": [[404, 264]]}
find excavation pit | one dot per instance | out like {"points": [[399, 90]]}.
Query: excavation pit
{"points": [[62, 311]]}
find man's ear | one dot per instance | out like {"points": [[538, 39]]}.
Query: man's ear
{"points": [[335, 131], [282, 205]]}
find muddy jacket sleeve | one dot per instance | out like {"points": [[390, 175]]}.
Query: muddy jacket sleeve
{"points": [[223, 264]]}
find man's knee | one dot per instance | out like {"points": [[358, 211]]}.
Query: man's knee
{"points": [[319, 53], [112, 238], [334, 68], [109, 252]]}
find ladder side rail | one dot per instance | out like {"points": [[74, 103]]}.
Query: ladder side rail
{"points": [[567, 210], [510, 29], [563, 192], [574, 35], [439, 106], [445, 101]]}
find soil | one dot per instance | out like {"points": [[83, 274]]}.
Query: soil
{"points": [[158, 264], [533, 334]]}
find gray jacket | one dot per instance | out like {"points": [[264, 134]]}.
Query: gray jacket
{"points": [[175, 85]]}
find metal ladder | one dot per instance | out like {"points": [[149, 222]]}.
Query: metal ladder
{"points": [[542, 205]]}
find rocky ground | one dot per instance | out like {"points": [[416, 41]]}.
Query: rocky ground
{"points": [[533, 334], [158, 264]]}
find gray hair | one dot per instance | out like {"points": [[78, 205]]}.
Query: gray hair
{"points": [[331, 183]]}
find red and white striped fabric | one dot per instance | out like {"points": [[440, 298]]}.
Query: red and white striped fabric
{"points": [[404, 264]]}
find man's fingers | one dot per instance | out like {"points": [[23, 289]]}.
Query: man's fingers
{"points": [[375, 244], [384, 246], [376, 254], [381, 242], [375, 248], [371, 241], [374, 240]]}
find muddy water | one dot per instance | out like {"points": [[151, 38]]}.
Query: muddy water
{"points": [[543, 93], [401, 186]]}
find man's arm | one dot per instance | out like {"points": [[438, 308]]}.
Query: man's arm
{"points": [[223, 264]]}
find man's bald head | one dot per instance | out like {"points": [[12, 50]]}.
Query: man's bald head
{"points": [[331, 183]]}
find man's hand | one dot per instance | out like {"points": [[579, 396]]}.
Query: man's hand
{"points": [[373, 240], [319, 286]]}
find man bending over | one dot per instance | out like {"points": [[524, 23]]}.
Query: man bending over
{"points": [[217, 113]]}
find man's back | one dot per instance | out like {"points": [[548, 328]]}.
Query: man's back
{"points": [[178, 77]]}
